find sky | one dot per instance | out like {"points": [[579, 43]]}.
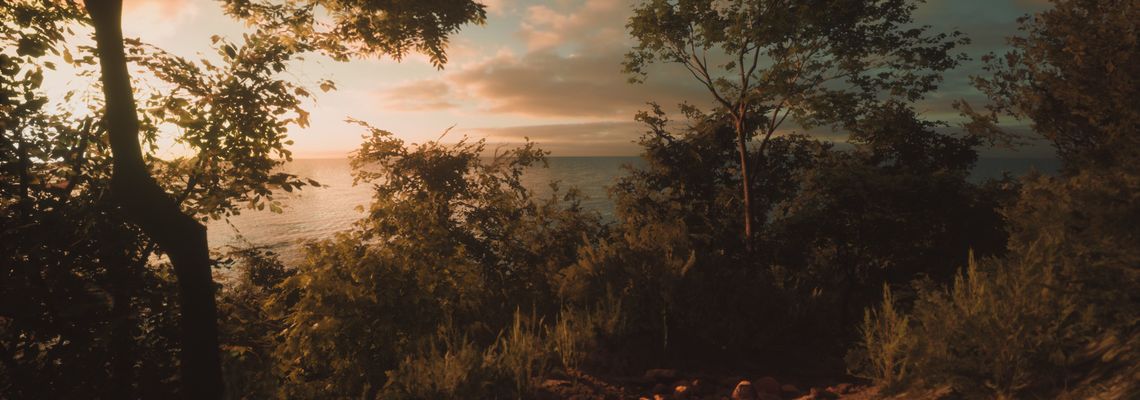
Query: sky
{"points": [[547, 70]]}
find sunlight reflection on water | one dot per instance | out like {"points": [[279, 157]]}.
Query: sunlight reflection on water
{"points": [[314, 213]]}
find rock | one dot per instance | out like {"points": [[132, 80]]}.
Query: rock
{"points": [[697, 386], [658, 397], [682, 392], [744, 391], [554, 383], [661, 375], [767, 385]]}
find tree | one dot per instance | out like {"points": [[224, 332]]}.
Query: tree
{"points": [[1075, 76], [68, 267], [818, 62], [452, 244], [361, 26]]}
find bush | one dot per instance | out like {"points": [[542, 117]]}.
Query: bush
{"points": [[521, 353], [452, 242], [881, 354], [1055, 318], [454, 369]]}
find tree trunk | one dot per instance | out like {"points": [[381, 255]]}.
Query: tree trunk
{"points": [[746, 182], [180, 236]]}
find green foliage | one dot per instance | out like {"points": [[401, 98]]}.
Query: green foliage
{"points": [[520, 352], [451, 238], [1006, 329], [822, 63], [82, 312], [363, 27], [1073, 75], [572, 337], [247, 327], [832, 241], [883, 347], [456, 368], [1055, 318], [782, 55], [1051, 319], [234, 116], [88, 305]]}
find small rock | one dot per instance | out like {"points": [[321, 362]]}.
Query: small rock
{"points": [[767, 385], [744, 391], [658, 397], [682, 392], [697, 386], [553, 383], [661, 375]]}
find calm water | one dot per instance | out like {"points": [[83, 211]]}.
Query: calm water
{"points": [[318, 212]]}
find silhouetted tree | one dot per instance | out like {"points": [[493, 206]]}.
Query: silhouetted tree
{"points": [[366, 27], [818, 62], [1075, 76]]}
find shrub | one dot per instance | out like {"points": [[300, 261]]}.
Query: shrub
{"points": [[453, 369], [451, 238], [882, 352], [521, 353], [571, 336], [1055, 318]]}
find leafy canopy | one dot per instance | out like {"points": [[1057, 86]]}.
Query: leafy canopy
{"points": [[355, 28]]}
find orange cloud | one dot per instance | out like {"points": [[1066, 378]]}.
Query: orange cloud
{"points": [[546, 85], [593, 21], [424, 95]]}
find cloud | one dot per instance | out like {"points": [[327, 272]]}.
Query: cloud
{"points": [[592, 138], [546, 85], [569, 73], [592, 21], [498, 7], [424, 95]]}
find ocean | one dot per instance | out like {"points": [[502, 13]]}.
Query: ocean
{"points": [[314, 213]]}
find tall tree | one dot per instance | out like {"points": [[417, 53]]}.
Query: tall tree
{"points": [[819, 62], [1075, 76], [361, 27]]}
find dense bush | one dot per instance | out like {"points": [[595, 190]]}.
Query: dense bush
{"points": [[831, 240], [430, 280], [1055, 317]]}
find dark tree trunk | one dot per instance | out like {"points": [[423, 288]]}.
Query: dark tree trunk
{"points": [[123, 322], [180, 236], [746, 182]]}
